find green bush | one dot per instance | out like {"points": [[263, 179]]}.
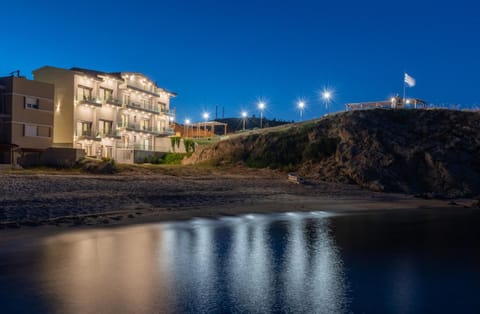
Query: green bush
{"points": [[189, 145], [172, 158]]}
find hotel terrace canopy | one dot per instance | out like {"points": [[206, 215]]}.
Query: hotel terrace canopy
{"points": [[199, 129]]}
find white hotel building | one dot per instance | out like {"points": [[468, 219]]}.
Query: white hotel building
{"points": [[121, 115]]}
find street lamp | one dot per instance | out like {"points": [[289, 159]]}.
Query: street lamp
{"points": [[187, 125], [244, 116], [205, 117], [261, 106], [327, 95], [301, 106]]}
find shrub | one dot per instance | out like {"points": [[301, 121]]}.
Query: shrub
{"points": [[172, 158], [189, 145], [106, 166]]}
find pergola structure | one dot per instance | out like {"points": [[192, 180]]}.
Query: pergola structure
{"points": [[203, 128]]}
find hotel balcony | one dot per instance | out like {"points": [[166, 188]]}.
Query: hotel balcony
{"points": [[143, 107], [109, 134], [142, 89], [146, 129], [88, 135], [135, 146], [167, 131], [90, 101], [114, 102], [167, 112]]}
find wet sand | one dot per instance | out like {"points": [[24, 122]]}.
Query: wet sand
{"points": [[79, 200]]}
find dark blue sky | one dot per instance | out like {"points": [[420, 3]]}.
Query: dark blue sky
{"points": [[232, 54]]}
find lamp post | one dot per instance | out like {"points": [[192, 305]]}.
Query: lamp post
{"points": [[187, 126], [244, 116], [327, 95], [301, 106], [205, 117], [261, 106]]}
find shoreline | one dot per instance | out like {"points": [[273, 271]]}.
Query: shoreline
{"points": [[52, 203]]}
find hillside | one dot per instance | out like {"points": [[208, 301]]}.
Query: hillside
{"points": [[431, 152]]}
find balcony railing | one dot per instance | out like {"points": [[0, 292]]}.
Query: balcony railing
{"points": [[144, 107], [135, 146], [88, 135], [114, 102], [107, 134], [142, 89], [167, 112], [90, 101], [167, 131], [147, 129]]}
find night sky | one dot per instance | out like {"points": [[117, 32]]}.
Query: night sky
{"points": [[233, 54]]}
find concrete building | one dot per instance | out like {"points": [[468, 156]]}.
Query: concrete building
{"points": [[121, 115], [26, 117]]}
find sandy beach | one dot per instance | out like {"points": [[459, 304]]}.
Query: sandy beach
{"points": [[68, 200]]}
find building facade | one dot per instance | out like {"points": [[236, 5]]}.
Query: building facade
{"points": [[26, 117], [121, 115]]}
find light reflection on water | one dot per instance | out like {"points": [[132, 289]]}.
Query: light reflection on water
{"points": [[294, 262], [252, 263]]}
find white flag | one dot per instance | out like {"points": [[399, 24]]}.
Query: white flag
{"points": [[409, 80]]}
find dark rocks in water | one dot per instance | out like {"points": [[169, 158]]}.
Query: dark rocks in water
{"points": [[435, 153]]}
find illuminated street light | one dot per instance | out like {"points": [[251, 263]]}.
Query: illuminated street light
{"points": [[187, 126], [205, 117], [327, 96], [244, 116], [301, 106], [261, 106]]}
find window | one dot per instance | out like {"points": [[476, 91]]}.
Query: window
{"points": [[31, 103], [105, 127], [126, 99], [84, 93], [163, 106], [105, 93], [108, 152], [30, 130], [84, 128], [124, 120], [88, 150], [144, 124], [146, 144], [125, 141]]}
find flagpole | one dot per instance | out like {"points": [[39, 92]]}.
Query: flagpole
{"points": [[404, 87]]}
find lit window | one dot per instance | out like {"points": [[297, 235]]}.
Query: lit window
{"points": [[31, 103]]}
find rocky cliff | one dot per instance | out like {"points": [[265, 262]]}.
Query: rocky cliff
{"points": [[430, 152]]}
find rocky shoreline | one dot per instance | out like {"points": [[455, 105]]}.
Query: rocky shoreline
{"points": [[83, 200], [432, 153]]}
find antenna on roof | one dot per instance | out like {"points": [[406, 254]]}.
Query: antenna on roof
{"points": [[13, 73]]}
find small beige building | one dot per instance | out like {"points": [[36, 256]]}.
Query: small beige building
{"points": [[120, 115], [26, 117]]}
